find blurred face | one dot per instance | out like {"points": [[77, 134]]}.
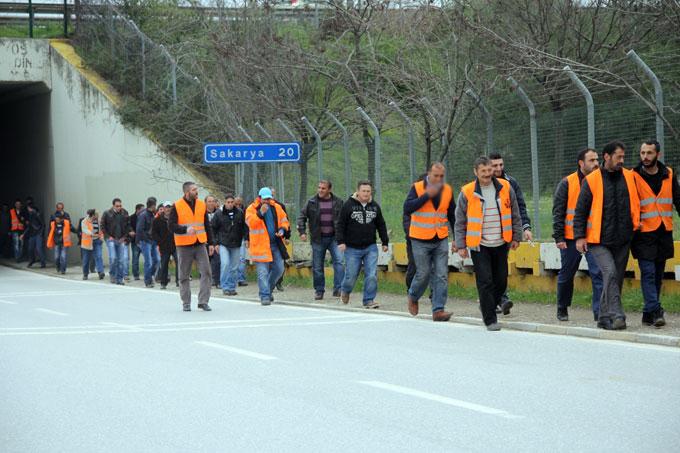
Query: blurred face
{"points": [[364, 193], [166, 211], [238, 202], [323, 190], [117, 206], [614, 162], [161, 209], [589, 163], [484, 173], [436, 174], [17, 205], [648, 155], [60, 206], [498, 167], [192, 193], [210, 203], [229, 203]]}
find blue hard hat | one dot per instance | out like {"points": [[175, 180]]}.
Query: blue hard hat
{"points": [[265, 193]]}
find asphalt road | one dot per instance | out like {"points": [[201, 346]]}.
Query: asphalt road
{"points": [[88, 366]]}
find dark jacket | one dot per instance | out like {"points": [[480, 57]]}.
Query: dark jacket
{"points": [[413, 202], [559, 211], [310, 214], [160, 232], [180, 229], [35, 225], [357, 225], [656, 245], [617, 226], [526, 222], [143, 227], [229, 232], [115, 224]]}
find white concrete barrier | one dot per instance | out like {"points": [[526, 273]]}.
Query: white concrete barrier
{"points": [[550, 255]]}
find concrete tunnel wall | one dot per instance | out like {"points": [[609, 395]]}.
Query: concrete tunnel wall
{"points": [[66, 142]]}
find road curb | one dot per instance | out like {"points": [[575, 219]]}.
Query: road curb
{"points": [[523, 326]]}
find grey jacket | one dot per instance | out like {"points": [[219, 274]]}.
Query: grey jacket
{"points": [[461, 215]]}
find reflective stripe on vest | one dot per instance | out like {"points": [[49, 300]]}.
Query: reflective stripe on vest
{"points": [[16, 224], [259, 247], [595, 183], [428, 222], [188, 218], [573, 189], [475, 213], [655, 209]]}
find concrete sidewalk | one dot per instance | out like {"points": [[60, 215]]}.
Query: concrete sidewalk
{"points": [[531, 317]]}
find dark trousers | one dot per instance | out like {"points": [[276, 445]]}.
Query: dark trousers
{"points": [[651, 276], [571, 259], [163, 268], [491, 275], [411, 267], [612, 262], [136, 253], [215, 268]]}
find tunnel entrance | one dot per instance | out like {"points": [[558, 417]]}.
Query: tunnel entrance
{"points": [[26, 145]]}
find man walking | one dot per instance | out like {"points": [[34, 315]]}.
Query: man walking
{"points": [[146, 243], [268, 225], [191, 229], [652, 245], [238, 204], [431, 208], [160, 233], [564, 208], [115, 226], [136, 251], [59, 239], [607, 214], [488, 223], [229, 227], [321, 212], [212, 208], [17, 228], [34, 236], [91, 244], [360, 219]]}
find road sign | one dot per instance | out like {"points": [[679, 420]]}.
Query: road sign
{"points": [[232, 153]]}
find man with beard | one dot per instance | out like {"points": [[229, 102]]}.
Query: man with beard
{"points": [[652, 245], [607, 215]]}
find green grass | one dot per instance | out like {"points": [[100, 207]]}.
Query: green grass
{"points": [[41, 30]]}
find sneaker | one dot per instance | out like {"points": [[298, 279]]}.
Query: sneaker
{"points": [[371, 304], [619, 324], [495, 327], [318, 296], [336, 293], [562, 314], [242, 283], [186, 307], [659, 320], [204, 307], [344, 297], [506, 306], [84, 277]]}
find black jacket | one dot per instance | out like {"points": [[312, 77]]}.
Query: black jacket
{"points": [[656, 245], [310, 214], [115, 224], [357, 225], [34, 226], [160, 232], [143, 226], [559, 210], [229, 232], [526, 222], [617, 226]]}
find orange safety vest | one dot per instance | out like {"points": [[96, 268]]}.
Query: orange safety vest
{"points": [[66, 234], [475, 213], [594, 225], [655, 209], [188, 218], [259, 247], [86, 239], [574, 188], [16, 223], [428, 221]]}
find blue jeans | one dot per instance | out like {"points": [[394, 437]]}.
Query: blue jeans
{"points": [[431, 260], [151, 260], [242, 263], [60, 257], [318, 258], [229, 263], [35, 249], [571, 258], [269, 273], [650, 282], [94, 254], [18, 244], [118, 256], [136, 252], [354, 258]]}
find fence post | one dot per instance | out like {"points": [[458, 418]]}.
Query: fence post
{"points": [[590, 106], [30, 18], [143, 42], [345, 148], [273, 164], [376, 150], [173, 72], [319, 147], [534, 153], [487, 119], [293, 137], [250, 139], [658, 96], [65, 19], [409, 126]]}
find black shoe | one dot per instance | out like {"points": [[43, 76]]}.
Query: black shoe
{"points": [[279, 286], [242, 283], [30, 264], [562, 314], [177, 284], [164, 286], [84, 277], [101, 276], [204, 307], [647, 318], [149, 285], [619, 324], [229, 292], [186, 307], [128, 278], [605, 323], [659, 320], [506, 306], [318, 296], [336, 293], [595, 317], [42, 266], [62, 272], [121, 283]]}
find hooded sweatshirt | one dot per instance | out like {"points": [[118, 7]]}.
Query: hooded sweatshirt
{"points": [[357, 224]]}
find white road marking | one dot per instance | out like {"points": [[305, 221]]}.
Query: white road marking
{"points": [[8, 302], [52, 312], [53, 293], [255, 355], [440, 399]]}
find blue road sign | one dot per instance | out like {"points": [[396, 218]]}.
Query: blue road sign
{"points": [[232, 153]]}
